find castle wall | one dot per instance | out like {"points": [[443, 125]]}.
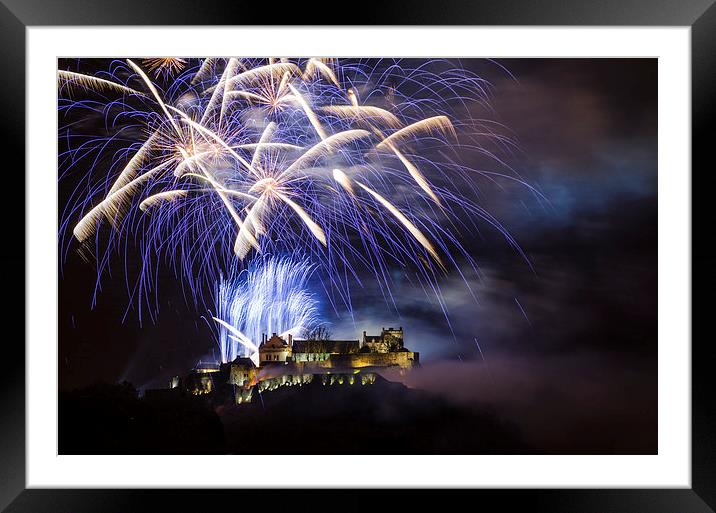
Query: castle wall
{"points": [[310, 357], [402, 359], [242, 375], [244, 395], [199, 384]]}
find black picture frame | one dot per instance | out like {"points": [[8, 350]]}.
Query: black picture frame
{"points": [[700, 15]]}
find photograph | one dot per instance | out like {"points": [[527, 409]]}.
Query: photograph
{"points": [[356, 255]]}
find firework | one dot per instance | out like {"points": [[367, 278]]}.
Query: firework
{"points": [[271, 296], [165, 65], [355, 163]]}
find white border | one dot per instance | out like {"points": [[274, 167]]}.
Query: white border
{"points": [[672, 465]]}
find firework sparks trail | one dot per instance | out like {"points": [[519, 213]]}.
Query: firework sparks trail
{"points": [[524, 314], [222, 160], [271, 296]]}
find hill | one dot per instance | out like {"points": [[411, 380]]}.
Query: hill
{"points": [[383, 418]]}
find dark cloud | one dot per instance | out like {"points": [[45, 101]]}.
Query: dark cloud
{"points": [[562, 404]]}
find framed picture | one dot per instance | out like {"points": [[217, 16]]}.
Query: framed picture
{"points": [[442, 248]]}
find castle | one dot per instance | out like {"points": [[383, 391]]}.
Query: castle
{"points": [[384, 350], [288, 361]]}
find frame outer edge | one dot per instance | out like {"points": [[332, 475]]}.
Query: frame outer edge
{"points": [[703, 91], [381, 12], [12, 260], [12, 39]]}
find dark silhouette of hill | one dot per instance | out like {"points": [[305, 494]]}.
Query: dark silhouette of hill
{"points": [[383, 418], [111, 419]]}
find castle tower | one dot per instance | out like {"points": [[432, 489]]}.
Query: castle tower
{"points": [[393, 338]]}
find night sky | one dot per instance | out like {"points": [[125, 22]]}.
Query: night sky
{"points": [[567, 347]]}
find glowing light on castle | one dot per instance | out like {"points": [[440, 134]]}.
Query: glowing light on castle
{"points": [[272, 296]]}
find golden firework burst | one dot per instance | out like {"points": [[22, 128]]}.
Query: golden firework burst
{"points": [[165, 65]]}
